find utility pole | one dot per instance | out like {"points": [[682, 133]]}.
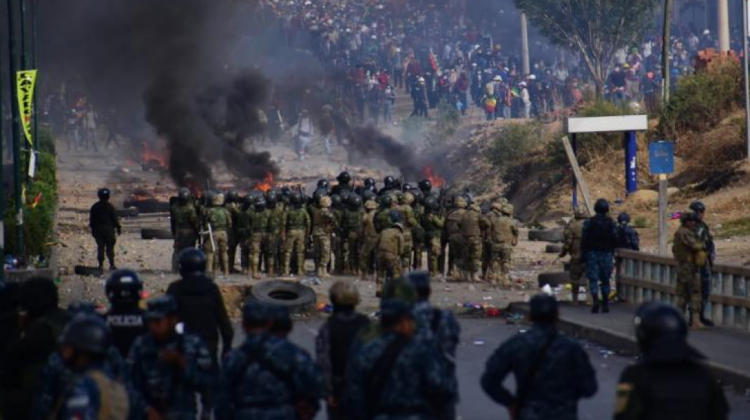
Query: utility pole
{"points": [[34, 11], [665, 70], [525, 44], [2, 187], [15, 124], [745, 28], [723, 24]]}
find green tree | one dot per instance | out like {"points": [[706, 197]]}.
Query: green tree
{"points": [[593, 28]]}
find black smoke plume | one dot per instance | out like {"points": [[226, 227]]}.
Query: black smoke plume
{"points": [[371, 142]]}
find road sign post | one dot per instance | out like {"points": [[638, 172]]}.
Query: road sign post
{"points": [[661, 162]]}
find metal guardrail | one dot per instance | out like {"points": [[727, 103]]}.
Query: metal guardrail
{"points": [[648, 277]]}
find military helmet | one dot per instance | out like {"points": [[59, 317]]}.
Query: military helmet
{"points": [[123, 287], [192, 263], [209, 197], [104, 193], [407, 187], [507, 209], [657, 321], [368, 195], [369, 182], [623, 218], [248, 200], [497, 206], [272, 196], [218, 200], [318, 194], [344, 178], [396, 217], [431, 203], [698, 207], [260, 204], [460, 202], [325, 202], [344, 293], [295, 198], [400, 198], [371, 205], [233, 196], [336, 201], [689, 217], [386, 201], [425, 185], [389, 182], [184, 195], [160, 307], [355, 202], [580, 213], [418, 195], [601, 206], [285, 191], [88, 333], [323, 184]]}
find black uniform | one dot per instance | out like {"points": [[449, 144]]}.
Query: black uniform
{"points": [[201, 308], [126, 324], [670, 382], [104, 226]]}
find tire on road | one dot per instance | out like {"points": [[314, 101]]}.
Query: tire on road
{"points": [[546, 235], [294, 296], [554, 279], [553, 249], [148, 234], [83, 270], [127, 213]]}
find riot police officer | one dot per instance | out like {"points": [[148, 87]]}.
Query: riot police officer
{"points": [[104, 226], [125, 317]]}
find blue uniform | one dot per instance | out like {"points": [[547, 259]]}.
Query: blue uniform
{"points": [[165, 387], [92, 392], [265, 378], [564, 376], [416, 388], [627, 238], [598, 247], [439, 325]]}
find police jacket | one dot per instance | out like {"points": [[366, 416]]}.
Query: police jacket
{"points": [[103, 218], [599, 235], [126, 324]]}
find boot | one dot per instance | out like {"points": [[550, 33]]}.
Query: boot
{"points": [[605, 304], [574, 295], [595, 306], [695, 322], [705, 321]]}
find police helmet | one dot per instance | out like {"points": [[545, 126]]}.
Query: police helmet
{"points": [[248, 200], [323, 184], [272, 197], [689, 217], [295, 198], [389, 182], [368, 195], [81, 307], [344, 178], [87, 333], [355, 202], [698, 207], [407, 187], [318, 194], [655, 321], [601, 206], [386, 201], [260, 204], [432, 203], [209, 197], [336, 201], [344, 293], [233, 196], [124, 287], [104, 193], [425, 185], [623, 218], [369, 182], [192, 263], [184, 195], [160, 307]]}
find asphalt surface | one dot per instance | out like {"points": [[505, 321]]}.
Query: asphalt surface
{"points": [[480, 337]]}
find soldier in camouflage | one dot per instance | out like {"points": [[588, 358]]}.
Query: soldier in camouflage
{"points": [[216, 244], [294, 232], [324, 223], [406, 200], [383, 215], [418, 230], [472, 225], [369, 240], [690, 252], [502, 236], [267, 377], [338, 203], [455, 238], [169, 370], [389, 250], [244, 231], [704, 232], [572, 246], [184, 223], [258, 234], [351, 231], [234, 206], [433, 224], [273, 236]]}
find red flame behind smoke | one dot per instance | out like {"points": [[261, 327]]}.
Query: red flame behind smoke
{"points": [[266, 184], [436, 180], [154, 157]]}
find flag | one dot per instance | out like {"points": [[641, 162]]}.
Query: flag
{"points": [[26, 79]]}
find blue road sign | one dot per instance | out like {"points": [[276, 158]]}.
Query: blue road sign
{"points": [[661, 157]]}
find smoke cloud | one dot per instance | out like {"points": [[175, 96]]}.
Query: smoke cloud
{"points": [[369, 141]]}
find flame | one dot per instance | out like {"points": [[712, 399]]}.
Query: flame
{"points": [[152, 156], [141, 195], [436, 180], [266, 184]]}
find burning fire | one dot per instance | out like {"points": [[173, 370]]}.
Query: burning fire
{"points": [[152, 156], [436, 180], [140, 195], [266, 184]]}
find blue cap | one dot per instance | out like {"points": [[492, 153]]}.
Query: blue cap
{"points": [[394, 308], [254, 310], [420, 279], [160, 307]]}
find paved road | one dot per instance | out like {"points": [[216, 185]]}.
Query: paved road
{"points": [[480, 338]]}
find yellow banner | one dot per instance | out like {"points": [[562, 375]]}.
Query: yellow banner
{"points": [[26, 80]]}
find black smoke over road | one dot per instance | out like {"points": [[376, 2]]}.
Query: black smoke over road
{"points": [[164, 67], [370, 142]]}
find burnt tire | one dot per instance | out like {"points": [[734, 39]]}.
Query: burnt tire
{"points": [[148, 234], [553, 279], [83, 270], [553, 249], [294, 296], [127, 212], [546, 235]]}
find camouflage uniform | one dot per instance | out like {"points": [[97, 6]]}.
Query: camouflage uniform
{"points": [[417, 383], [410, 222], [294, 230], [185, 229], [690, 252], [165, 387], [323, 224], [564, 376], [472, 224], [244, 230], [389, 250], [433, 224], [267, 378], [573, 236], [232, 234], [455, 238], [502, 236], [419, 237], [337, 242], [351, 229], [369, 239], [221, 222], [273, 239], [258, 233]]}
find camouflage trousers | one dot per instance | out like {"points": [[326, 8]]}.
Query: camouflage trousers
{"points": [[219, 254], [322, 251], [434, 249], [389, 267], [417, 250], [688, 287], [293, 243], [455, 254], [337, 250], [577, 272], [472, 261], [501, 256], [350, 253], [599, 266], [408, 245], [256, 248], [367, 254], [183, 239], [271, 248]]}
